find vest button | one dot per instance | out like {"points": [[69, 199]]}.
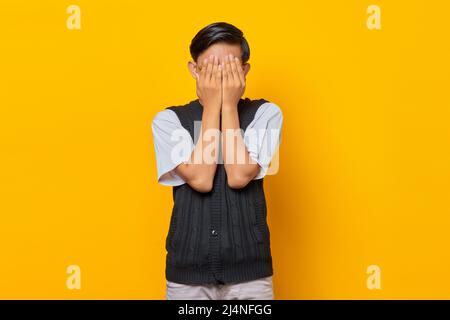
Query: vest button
{"points": [[214, 232]]}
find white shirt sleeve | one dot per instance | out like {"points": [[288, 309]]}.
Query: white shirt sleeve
{"points": [[173, 145], [263, 135]]}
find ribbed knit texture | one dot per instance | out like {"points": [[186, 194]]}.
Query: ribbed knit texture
{"points": [[220, 236]]}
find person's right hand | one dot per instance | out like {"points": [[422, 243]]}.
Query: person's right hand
{"points": [[209, 83]]}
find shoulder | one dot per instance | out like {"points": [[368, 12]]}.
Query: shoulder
{"points": [[172, 111], [164, 116], [269, 109], [188, 112]]}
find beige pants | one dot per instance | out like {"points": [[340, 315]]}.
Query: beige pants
{"points": [[259, 289]]}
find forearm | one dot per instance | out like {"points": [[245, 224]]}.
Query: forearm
{"points": [[199, 171], [239, 166]]}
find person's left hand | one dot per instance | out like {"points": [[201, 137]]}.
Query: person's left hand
{"points": [[233, 81]]}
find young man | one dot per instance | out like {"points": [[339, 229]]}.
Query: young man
{"points": [[215, 152]]}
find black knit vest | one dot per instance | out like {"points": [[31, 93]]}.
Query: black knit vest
{"points": [[219, 236]]}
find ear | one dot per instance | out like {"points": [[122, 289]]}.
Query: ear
{"points": [[246, 68], [192, 66]]}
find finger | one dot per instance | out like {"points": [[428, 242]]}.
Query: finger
{"points": [[203, 69], [209, 68], [234, 69], [214, 69], [228, 68], [224, 73], [240, 70], [219, 73]]}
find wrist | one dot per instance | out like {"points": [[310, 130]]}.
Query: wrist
{"points": [[212, 110], [229, 106]]}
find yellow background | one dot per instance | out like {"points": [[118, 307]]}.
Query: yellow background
{"points": [[365, 161]]}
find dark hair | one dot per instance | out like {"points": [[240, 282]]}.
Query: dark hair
{"points": [[219, 32]]}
